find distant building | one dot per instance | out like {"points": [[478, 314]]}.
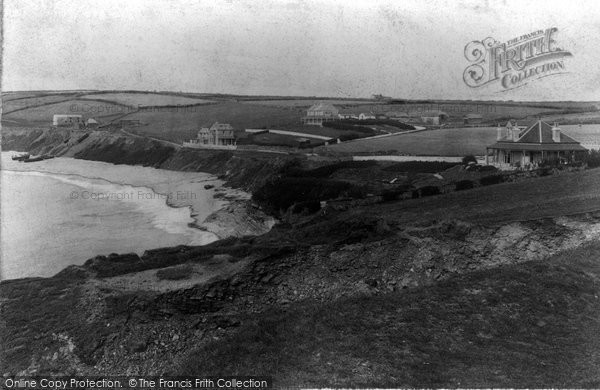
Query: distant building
{"points": [[433, 117], [319, 113], [348, 114], [91, 123], [381, 97], [363, 116], [472, 119], [516, 147], [218, 136], [67, 120]]}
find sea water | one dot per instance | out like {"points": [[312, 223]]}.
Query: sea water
{"points": [[63, 211]]}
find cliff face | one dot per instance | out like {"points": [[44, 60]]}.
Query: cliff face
{"points": [[246, 170]]}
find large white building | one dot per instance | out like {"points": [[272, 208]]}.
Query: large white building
{"points": [[319, 113], [218, 136]]}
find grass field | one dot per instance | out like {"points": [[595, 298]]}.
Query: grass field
{"points": [[87, 108], [450, 142], [280, 113], [146, 99], [550, 196], [19, 104], [177, 125], [309, 102]]}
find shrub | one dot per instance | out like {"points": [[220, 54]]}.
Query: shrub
{"points": [[488, 168], [175, 273], [349, 137], [490, 180], [328, 170], [339, 125], [420, 166], [545, 171], [429, 191], [464, 185], [592, 158], [310, 206], [280, 194], [469, 159]]}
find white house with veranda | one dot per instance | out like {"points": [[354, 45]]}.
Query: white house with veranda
{"points": [[527, 148], [217, 136], [319, 113]]}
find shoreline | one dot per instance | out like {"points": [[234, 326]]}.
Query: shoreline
{"points": [[233, 216]]}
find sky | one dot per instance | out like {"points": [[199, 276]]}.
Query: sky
{"points": [[404, 49]]}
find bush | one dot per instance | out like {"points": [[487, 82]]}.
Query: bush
{"points": [[279, 194], [373, 122], [420, 166], [488, 168], [545, 171], [429, 191], [490, 180], [328, 170], [464, 185], [349, 137], [393, 194], [339, 125], [469, 159], [592, 158], [179, 272], [310, 206]]}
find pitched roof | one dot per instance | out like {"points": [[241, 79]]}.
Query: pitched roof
{"points": [[541, 133], [538, 136], [322, 106]]}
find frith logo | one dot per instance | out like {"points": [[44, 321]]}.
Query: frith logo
{"points": [[515, 62]]}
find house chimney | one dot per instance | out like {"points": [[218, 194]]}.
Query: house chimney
{"points": [[499, 134], [515, 133], [555, 133]]}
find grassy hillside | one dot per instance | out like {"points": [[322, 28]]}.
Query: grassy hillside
{"points": [[527, 325], [179, 124], [549, 196], [146, 99], [42, 115]]}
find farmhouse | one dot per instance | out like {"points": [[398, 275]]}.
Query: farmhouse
{"points": [[218, 136], [319, 113], [515, 147], [67, 120], [91, 123], [363, 116], [348, 114], [433, 117]]}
